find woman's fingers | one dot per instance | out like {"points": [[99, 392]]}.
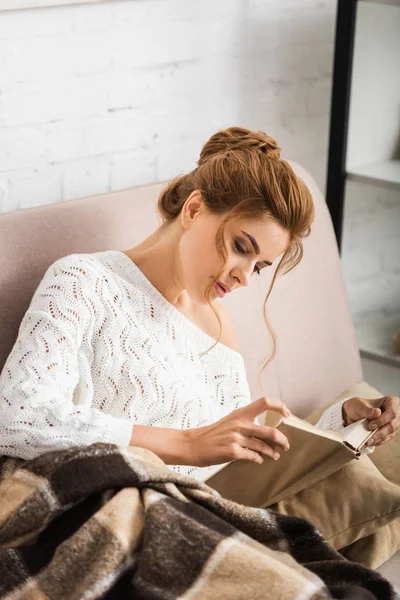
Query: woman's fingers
{"points": [[256, 408], [248, 454], [384, 434], [387, 416], [268, 435], [278, 406], [390, 412], [359, 408], [261, 448]]}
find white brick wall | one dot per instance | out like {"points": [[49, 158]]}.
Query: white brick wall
{"points": [[371, 248], [104, 96], [101, 97]]}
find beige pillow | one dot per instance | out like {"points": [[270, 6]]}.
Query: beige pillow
{"points": [[375, 549], [350, 504], [387, 459], [356, 508]]}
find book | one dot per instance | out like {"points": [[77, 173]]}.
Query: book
{"points": [[313, 455]]}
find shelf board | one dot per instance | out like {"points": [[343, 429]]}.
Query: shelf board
{"points": [[386, 173], [393, 2], [375, 337]]}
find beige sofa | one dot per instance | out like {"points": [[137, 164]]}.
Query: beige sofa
{"points": [[317, 359]]}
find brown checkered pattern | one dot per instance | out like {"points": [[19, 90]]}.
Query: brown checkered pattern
{"points": [[110, 522]]}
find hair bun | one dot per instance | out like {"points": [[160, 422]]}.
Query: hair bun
{"points": [[238, 138]]}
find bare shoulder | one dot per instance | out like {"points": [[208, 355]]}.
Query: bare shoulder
{"points": [[228, 336]]}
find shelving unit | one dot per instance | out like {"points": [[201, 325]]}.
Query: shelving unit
{"points": [[364, 147], [385, 173], [374, 336]]}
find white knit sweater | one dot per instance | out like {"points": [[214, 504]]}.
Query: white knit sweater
{"points": [[100, 349]]}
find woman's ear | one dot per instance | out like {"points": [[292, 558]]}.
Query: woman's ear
{"points": [[193, 207]]}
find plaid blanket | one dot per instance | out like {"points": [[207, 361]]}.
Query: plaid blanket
{"points": [[111, 522]]}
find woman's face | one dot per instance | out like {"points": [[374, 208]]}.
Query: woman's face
{"points": [[252, 245]]}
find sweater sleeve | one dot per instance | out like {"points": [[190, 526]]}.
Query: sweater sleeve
{"points": [[37, 409], [332, 420]]}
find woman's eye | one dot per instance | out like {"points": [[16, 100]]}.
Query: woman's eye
{"points": [[239, 248], [242, 250]]}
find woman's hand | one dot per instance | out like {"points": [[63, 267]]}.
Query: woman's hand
{"points": [[383, 414], [237, 437]]}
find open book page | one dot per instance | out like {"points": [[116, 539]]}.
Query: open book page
{"points": [[357, 434], [314, 454], [305, 425]]}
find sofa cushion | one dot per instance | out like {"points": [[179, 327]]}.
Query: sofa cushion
{"points": [[382, 545], [350, 504], [371, 550]]}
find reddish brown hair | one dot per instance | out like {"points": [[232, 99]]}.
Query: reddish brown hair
{"points": [[240, 174]]}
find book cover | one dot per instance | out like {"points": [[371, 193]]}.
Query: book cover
{"points": [[313, 455]]}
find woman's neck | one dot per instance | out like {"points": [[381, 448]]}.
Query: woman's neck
{"points": [[154, 256]]}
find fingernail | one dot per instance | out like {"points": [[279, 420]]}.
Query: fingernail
{"points": [[276, 456], [288, 413], [370, 442], [287, 447], [373, 426]]}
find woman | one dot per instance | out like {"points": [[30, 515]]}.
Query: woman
{"points": [[121, 347]]}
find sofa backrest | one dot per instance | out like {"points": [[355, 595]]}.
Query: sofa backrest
{"points": [[317, 353]]}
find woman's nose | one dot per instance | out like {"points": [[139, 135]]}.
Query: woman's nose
{"points": [[242, 276]]}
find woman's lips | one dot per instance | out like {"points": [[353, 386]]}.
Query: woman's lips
{"points": [[224, 287], [220, 290]]}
